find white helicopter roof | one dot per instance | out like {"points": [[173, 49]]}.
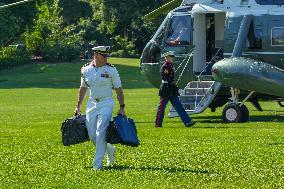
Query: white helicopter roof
{"points": [[220, 2], [201, 8], [230, 3], [232, 7], [189, 2]]}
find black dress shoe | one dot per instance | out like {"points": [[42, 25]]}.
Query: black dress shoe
{"points": [[190, 124]]}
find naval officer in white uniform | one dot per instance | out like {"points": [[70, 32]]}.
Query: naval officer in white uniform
{"points": [[99, 78]]}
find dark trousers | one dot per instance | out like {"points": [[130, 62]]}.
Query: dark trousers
{"points": [[178, 107]]}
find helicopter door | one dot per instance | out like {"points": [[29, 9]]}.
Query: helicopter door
{"points": [[208, 39], [199, 41]]}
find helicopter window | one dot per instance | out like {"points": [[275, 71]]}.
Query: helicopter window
{"points": [[179, 32], [277, 35], [219, 1], [254, 38], [270, 2]]}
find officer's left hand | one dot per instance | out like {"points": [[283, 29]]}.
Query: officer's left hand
{"points": [[121, 112], [77, 111]]}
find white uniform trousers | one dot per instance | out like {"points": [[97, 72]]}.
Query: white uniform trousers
{"points": [[97, 120]]}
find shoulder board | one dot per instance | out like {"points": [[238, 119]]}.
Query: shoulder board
{"points": [[108, 64], [85, 66]]}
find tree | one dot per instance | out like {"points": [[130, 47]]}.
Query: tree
{"points": [[15, 20], [56, 24], [7, 27], [74, 10], [124, 20], [49, 37]]}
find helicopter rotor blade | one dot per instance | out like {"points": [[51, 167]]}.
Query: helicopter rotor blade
{"points": [[14, 4], [163, 9]]}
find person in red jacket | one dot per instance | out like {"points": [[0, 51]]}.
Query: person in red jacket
{"points": [[169, 92]]}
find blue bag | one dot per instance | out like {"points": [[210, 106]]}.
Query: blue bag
{"points": [[127, 131]]}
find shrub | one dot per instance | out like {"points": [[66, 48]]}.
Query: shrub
{"points": [[51, 39], [13, 56], [123, 48], [67, 49]]}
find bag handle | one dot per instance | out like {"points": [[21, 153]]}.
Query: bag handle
{"points": [[124, 116]]}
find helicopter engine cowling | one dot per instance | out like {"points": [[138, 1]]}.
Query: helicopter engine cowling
{"points": [[249, 74]]}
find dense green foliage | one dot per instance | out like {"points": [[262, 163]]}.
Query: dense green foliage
{"points": [[35, 99], [50, 39], [13, 56], [7, 29], [124, 19], [14, 21], [62, 30]]}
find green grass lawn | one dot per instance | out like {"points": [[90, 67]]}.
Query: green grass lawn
{"points": [[35, 99]]}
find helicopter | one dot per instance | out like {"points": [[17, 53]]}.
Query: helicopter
{"points": [[226, 52]]}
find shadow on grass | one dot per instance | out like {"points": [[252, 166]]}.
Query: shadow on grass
{"points": [[276, 143], [167, 169], [252, 118], [278, 111], [63, 75], [218, 119]]}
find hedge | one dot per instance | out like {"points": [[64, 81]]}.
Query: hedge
{"points": [[13, 56]]}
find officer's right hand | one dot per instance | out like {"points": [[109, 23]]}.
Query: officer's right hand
{"points": [[77, 111]]}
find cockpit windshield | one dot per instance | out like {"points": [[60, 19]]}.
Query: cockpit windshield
{"points": [[180, 31]]}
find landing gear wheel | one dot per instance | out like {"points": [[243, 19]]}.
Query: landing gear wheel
{"points": [[245, 113], [232, 113]]}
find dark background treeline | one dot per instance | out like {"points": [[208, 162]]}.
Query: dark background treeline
{"points": [[60, 30]]}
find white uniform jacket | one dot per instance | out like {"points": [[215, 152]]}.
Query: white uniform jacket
{"points": [[100, 82]]}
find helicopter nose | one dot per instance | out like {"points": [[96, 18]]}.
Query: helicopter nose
{"points": [[151, 53]]}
